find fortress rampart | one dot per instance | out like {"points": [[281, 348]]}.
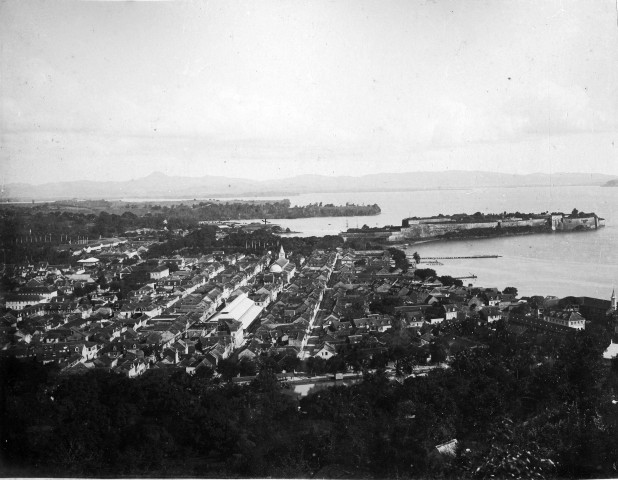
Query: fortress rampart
{"points": [[429, 230], [450, 226]]}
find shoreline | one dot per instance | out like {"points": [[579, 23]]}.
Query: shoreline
{"points": [[480, 237], [483, 237]]}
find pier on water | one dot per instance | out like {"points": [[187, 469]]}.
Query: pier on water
{"points": [[458, 258]]}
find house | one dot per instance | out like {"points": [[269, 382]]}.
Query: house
{"points": [[133, 368], [169, 283], [326, 351], [434, 320], [491, 297], [611, 351], [490, 314], [20, 302], [159, 272], [247, 353], [450, 312], [448, 449], [568, 317], [475, 303], [88, 350], [414, 319], [88, 262], [426, 338], [232, 328]]}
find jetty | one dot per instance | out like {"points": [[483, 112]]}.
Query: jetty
{"points": [[463, 257]]}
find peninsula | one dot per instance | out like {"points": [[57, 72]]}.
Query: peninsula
{"points": [[478, 225], [53, 221]]}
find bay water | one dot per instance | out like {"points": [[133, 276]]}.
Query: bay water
{"points": [[560, 264]]}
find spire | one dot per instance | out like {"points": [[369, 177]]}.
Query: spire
{"points": [[613, 299], [281, 252]]}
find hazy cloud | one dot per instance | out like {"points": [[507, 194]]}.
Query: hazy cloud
{"points": [[282, 88]]}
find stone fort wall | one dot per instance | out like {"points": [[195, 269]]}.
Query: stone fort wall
{"points": [[418, 229], [438, 229]]}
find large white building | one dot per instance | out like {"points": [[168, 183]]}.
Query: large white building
{"points": [[568, 318], [242, 309]]}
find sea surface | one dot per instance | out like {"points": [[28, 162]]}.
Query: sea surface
{"points": [[560, 264]]}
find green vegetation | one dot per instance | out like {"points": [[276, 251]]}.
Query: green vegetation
{"points": [[34, 233], [108, 219], [425, 273], [521, 407], [400, 259], [448, 281], [510, 291], [203, 240], [484, 217]]}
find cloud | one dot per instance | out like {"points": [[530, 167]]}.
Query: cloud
{"points": [[39, 97], [550, 108], [545, 109]]}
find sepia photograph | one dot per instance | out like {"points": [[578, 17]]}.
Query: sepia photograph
{"points": [[313, 239]]}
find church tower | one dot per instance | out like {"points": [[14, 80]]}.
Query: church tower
{"points": [[281, 253], [613, 300]]}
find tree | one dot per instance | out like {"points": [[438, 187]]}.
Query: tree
{"points": [[505, 458], [102, 281], [315, 366], [386, 305], [417, 257], [437, 352], [425, 273], [228, 368], [447, 281], [400, 259], [510, 291], [335, 364], [247, 367]]}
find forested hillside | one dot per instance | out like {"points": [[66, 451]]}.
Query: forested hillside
{"points": [[525, 407]]}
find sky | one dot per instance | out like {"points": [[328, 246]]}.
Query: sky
{"points": [[113, 90]]}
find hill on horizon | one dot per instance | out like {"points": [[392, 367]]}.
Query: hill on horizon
{"points": [[159, 185]]}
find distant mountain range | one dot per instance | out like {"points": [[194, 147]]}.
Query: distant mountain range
{"points": [[158, 185]]}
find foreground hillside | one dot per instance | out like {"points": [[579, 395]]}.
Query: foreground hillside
{"points": [[527, 407]]}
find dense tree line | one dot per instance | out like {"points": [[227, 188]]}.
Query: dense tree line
{"points": [[480, 216], [32, 234], [40, 221], [203, 240], [281, 209], [524, 407]]}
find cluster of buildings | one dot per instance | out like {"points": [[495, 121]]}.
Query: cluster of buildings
{"points": [[183, 312], [117, 312], [286, 326], [369, 302]]}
